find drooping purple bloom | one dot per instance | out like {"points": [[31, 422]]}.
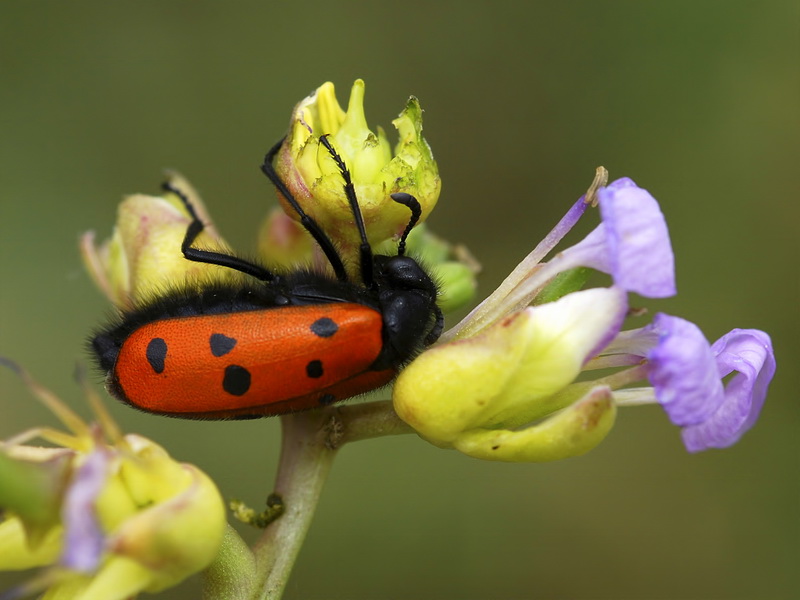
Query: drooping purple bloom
{"points": [[687, 376], [684, 372], [83, 538], [748, 352], [631, 244]]}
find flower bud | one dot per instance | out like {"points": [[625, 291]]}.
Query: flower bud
{"points": [[571, 432], [456, 285], [156, 537], [30, 485], [283, 244], [463, 393], [113, 518], [19, 552], [143, 255], [377, 171]]}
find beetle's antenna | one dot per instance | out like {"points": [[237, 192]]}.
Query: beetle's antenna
{"points": [[416, 212], [308, 223], [350, 192]]}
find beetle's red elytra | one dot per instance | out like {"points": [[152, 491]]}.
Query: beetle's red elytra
{"points": [[305, 354], [281, 342]]}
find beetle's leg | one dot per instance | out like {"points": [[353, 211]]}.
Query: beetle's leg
{"points": [[350, 191], [207, 256], [309, 224]]}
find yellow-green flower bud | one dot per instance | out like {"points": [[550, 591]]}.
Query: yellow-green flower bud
{"points": [[156, 537], [119, 578], [30, 486], [456, 285], [315, 180], [283, 244], [571, 432], [144, 256], [17, 550], [113, 518], [464, 393]]}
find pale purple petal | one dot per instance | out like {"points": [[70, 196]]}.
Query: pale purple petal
{"points": [[631, 244], [591, 251], [639, 249], [748, 352], [683, 371], [83, 538]]}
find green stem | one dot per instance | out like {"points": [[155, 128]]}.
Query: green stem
{"points": [[305, 462], [622, 378], [310, 441], [365, 421]]}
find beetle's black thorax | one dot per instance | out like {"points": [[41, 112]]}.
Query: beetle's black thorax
{"points": [[407, 298]]}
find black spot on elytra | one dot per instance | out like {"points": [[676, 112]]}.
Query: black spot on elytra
{"points": [[221, 344], [327, 399], [324, 327], [236, 381], [156, 354], [314, 369]]}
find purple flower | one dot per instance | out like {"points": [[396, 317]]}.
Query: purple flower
{"points": [[687, 376], [639, 250], [83, 540], [631, 244]]}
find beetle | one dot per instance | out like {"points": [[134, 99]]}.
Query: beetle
{"points": [[279, 342]]}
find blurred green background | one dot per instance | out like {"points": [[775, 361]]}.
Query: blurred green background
{"points": [[699, 102]]}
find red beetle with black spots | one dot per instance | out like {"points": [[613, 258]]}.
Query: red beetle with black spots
{"points": [[285, 342]]}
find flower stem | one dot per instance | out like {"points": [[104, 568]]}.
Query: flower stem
{"points": [[365, 421], [622, 378], [305, 462], [310, 441]]}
